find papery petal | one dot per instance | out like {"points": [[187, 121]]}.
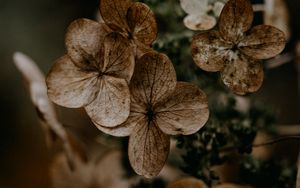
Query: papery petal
{"points": [[184, 112], [70, 86], [188, 183], [217, 8], [84, 40], [125, 129], [142, 23], [114, 13], [194, 6], [199, 22], [112, 105], [209, 51], [148, 149], [263, 42], [243, 75], [235, 19], [153, 80], [119, 54]]}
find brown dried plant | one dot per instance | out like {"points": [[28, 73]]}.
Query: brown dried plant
{"points": [[53, 129], [94, 74], [160, 106], [236, 50], [133, 20]]}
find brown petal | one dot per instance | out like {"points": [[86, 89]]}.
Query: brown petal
{"points": [[148, 149], [114, 13], [243, 75], [69, 86], [125, 128], [188, 183], [209, 51], [263, 42], [119, 55], [84, 40], [112, 105], [142, 23], [154, 78], [235, 19], [184, 112]]}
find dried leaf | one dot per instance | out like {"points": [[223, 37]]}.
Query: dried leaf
{"points": [[118, 57], [148, 149], [243, 75], [209, 51], [142, 23], [184, 112], [112, 105], [199, 22], [114, 13], [70, 86], [188, 183], [84, 40], [235, 19], [46, 112], [263, 42], [154, 79]]}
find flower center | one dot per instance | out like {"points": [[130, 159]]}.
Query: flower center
{"points": [[150, 114], [235, 48]]}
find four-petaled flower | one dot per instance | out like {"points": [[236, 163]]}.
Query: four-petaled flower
{"points": [[235, 50], [202, 14], [160, 106], [133, 20], [94, 74]]}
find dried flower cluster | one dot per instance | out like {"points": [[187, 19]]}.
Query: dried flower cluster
{"points": [[202, 14], [235, 50], [126, 88]]}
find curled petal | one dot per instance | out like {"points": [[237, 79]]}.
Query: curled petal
{"points": [[141, 21], [209, 51], [112, 105], [154, 78], [125, 128], [185, 112], [84, 40], [263, 42], [243, 75], [69, 86], [119, 55], [199, 22], [114, 13], [148, 149], [235, 19], [188, 183]]}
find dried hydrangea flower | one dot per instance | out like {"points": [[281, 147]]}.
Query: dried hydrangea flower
{"points": [[160, 106], [202, 14], [235, 50], [134, 20], [94, 74], [52, 127]]}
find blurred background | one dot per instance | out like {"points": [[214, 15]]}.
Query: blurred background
{"points": [[37, 28]]}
